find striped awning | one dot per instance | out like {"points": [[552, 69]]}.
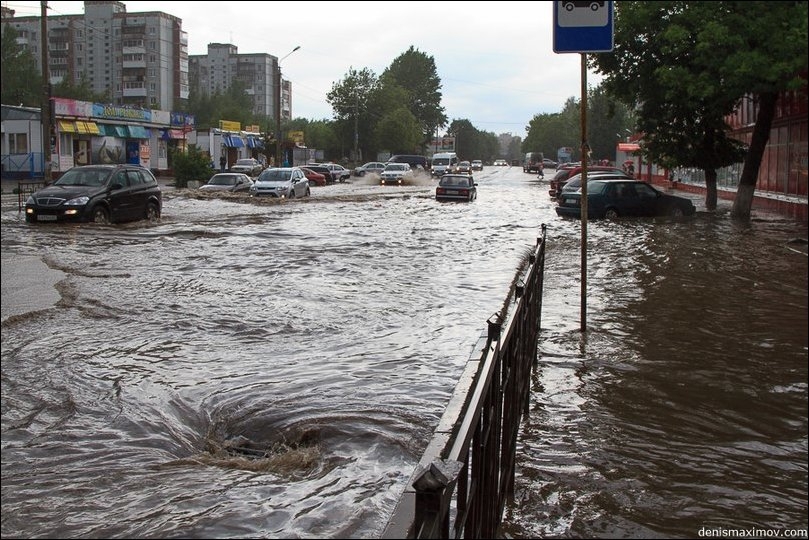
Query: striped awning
{"points": [[88, 128], [67, 127], [232, 141], [113, 131], [138, 132]]}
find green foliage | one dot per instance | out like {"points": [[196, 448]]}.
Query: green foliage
{"points": [[20, 80], [400, 131], [191, 165], [416, 73], [685, 66]]}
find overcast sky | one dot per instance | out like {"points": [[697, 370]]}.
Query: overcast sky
{"points": [[495, 59]]}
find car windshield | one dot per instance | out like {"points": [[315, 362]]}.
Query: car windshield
{"points": [[454, 181], [396, 167], [83, 177], [223, 180], [440, 161], [276, 175]]}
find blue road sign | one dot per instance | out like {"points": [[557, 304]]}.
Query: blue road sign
{"points": [[582, 27]]}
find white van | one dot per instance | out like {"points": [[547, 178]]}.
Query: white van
{"points": [[444, 162]]}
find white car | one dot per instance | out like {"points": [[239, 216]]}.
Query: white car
{"points": [[395, 174], [370, 167], [500, 163], [338, 172], [248, 166], [281, 182]]}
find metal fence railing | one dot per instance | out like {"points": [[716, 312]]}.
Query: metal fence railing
{"points": [[466, 475]]}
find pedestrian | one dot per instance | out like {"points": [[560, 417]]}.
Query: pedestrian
{"points": [[223, 161]]}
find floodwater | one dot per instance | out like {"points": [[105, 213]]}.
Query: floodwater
{"points": [[276, 369]]}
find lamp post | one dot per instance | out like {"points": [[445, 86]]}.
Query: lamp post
{"points": [[278, 108]]}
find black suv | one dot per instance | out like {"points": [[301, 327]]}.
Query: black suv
{"points": [[410, 160], [98, 193]]}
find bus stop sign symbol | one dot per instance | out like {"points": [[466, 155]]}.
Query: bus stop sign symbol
{"points": [[582, 27]]}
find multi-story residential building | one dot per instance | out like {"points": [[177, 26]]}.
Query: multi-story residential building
{"points": [[215, 72], [138, 59]]}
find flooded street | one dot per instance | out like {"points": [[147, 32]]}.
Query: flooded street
{"points": [[276, 370]]}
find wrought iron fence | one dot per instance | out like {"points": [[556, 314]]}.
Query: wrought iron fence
{"points": [[466, 475]]}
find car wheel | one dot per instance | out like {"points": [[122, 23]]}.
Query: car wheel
{"points": [[308, 192], [676, 211], [152, 212], [611, 213], [291, 194], [101, 216]]}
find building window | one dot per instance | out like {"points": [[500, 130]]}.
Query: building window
{"points": [[65, 144], [17, 143]]}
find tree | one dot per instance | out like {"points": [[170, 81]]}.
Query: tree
{"points": [[416, 73], [683, 88], [400, 131], [20, 79], [350, 102]]}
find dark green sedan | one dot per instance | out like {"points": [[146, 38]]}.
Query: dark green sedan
{"points": [[616, 198]]}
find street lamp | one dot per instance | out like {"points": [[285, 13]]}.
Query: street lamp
{"points": [[278, 108]]}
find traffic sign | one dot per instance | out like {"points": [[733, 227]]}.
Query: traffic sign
{"points": [[582, 27]]}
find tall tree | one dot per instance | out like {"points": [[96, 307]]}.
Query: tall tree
{"points": [[350, 100], [20, 79], [416, 72], [667, 64], [399, 131]]}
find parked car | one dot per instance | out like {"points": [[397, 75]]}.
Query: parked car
{"points": [[464, 167], [477, 165], [248, 166], [395, 173], [370, 167], [281, 182], [500, 163], [456, 187], [570, 170], [410, 159], [98, 193], [574, 182], [233, 182], [610, 199], [549, 163], [315, 178], [321, 169], [338, 172]]}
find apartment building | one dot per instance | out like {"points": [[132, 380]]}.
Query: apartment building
{"points": [[139, 59], [216, 71]]}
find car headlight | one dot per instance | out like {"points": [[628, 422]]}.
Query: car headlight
{"points": [[78, 201]]}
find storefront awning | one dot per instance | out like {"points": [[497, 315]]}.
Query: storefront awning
{"points": [[67, 127], [138, 132], [628, 147], [232, 141], [88, 128], [253, 142], [113, 131]]}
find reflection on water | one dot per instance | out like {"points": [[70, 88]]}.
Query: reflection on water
{"points": [[275, 370], [684, 405]]}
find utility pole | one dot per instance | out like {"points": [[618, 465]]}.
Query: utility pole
{"points": [[356, 129], [45, 108], [278, 162]]}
